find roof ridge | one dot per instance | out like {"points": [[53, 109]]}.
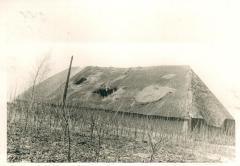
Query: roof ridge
{"points": [[188, 67]]}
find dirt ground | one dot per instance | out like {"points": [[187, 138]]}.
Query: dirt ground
{"points": [[50, 146]]}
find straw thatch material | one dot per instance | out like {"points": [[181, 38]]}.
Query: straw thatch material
{"points": [[166, 91]]}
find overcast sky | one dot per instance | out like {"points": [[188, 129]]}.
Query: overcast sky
{"points": [[203, 34], [125, 21]]}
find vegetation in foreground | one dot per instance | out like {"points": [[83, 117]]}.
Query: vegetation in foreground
{"points": [[100, 137]]}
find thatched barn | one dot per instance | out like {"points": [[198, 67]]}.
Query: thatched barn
{"points": [[173, 93]]}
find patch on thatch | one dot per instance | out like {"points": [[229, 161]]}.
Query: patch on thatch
{"points": [[95, 77], [153, 93], [119, 78], [79, 81], [168, 76]]}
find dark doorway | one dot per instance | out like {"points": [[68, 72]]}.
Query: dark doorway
{"points": [[104, 92]]}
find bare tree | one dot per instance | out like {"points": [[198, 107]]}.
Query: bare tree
{"points": [[154, 146], [92, 125], [100, 134], [40, 72]]}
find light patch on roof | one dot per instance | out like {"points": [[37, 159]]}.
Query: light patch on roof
{"points": [[168, 76], [95, 77], [153, 93], [119, 78]]}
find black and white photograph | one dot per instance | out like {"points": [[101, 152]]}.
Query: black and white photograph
{"points": [[109, 81]]}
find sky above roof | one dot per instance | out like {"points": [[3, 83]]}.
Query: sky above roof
{"points": [[203, 34], [118, 21]]}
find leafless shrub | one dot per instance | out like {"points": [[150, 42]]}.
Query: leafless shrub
{"points": [[40, 72], [154, 145], [92, 125], [100, 133]]}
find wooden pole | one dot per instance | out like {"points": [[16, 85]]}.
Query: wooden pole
{"points": [[66, 85], [64, 114]]}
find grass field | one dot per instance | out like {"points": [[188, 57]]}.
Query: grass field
{"points": [[98, 136]]}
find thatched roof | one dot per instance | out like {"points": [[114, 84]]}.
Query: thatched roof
{"points": [[50, 85], [166, 91]]}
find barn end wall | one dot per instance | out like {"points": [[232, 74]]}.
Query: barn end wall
{"points": [[229, 126], [200, 125]]}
